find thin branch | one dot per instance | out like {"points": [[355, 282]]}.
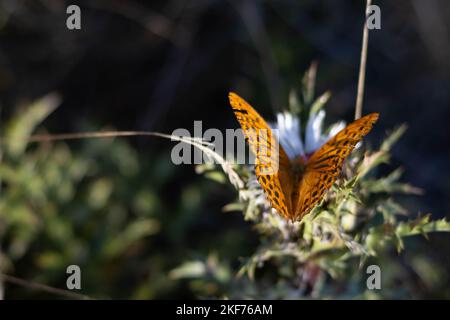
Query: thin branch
{"points": [[198, 143], [77, 135], [42, 287], [362, 66]]}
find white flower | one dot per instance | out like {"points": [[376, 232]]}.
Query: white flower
{"points": [[288, 128], [289, 131]]}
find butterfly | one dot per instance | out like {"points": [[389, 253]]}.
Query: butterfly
{"points": [[298, 184]]}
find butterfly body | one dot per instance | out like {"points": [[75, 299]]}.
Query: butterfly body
{"points": [[298, 184], [297, 171]]}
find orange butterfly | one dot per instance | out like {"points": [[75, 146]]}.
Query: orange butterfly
{"points": [[298, 184]]}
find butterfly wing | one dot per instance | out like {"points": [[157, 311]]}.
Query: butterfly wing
{"points": [[325, 165], [276, 183]]}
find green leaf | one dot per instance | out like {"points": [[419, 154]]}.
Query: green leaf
{"points": [[134, 232], [295, 106], [24, 124], [189, 269], [309, 83], [393, 138], [320, 102], [422, 225]]}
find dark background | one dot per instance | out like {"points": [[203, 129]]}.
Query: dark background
{"points": [[160, 65]]}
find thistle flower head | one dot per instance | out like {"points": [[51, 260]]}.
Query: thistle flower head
{"points": [[291, 135]]}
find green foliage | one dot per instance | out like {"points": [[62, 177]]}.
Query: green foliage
{"points": [[99, 204], [87, 205], [326, 254]]}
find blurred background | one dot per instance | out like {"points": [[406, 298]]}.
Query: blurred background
{"points": [[119, 208]]}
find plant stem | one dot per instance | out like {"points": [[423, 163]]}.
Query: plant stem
{"points": [[362, 66], [42, 287]]}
